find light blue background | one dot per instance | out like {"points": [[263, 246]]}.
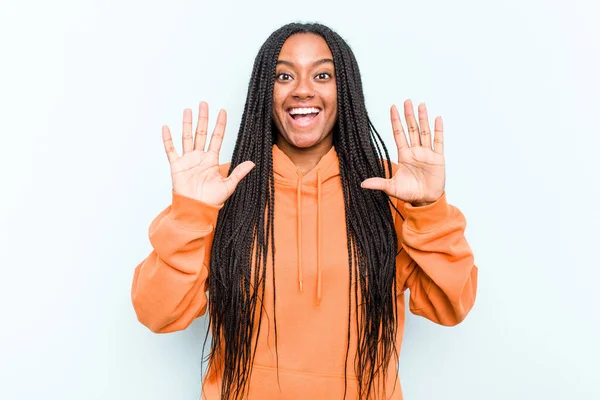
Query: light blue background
{"points": [[86, 85]]}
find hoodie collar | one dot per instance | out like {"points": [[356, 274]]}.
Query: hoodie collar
{"points": [[285, 170]]}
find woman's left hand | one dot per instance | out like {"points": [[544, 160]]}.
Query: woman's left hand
{"points": [[421, 176]]}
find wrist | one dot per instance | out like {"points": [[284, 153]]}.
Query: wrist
{"points": [[426, 202], [417, 204], [427, 218]]}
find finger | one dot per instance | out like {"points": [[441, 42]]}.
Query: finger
{"points": [[237, 175], [424, 125], [399, 135], [217, 137], [438, 141], [202, 126], [186, 136], [169, 147], [411, 123], [378, 184]]}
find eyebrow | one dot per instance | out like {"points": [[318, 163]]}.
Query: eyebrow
{"points": [[318, 62]]}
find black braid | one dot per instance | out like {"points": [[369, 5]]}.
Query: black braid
{"points": [[243, 238]]}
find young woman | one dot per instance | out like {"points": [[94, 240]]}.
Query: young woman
{"points": [[302, 248]]}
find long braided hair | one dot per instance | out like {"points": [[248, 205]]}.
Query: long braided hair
{"points": [[244, 234]]}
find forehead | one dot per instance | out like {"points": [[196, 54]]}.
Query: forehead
{"points": [[304, 48]]}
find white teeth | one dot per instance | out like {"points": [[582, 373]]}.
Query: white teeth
{"points": [[311, 110]]}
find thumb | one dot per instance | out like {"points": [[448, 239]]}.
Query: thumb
{"points": [[239, 173], [375, 184]]}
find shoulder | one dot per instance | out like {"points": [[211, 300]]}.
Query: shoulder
{"points": [[386, 170], [224, 169]]}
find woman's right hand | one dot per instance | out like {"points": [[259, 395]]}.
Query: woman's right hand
{"points": [[196, 173]]}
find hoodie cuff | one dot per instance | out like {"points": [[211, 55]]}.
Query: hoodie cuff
{"points": [[428, 218], [192, 214]]}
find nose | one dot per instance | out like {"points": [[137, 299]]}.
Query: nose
{"points": [[303, 89]]}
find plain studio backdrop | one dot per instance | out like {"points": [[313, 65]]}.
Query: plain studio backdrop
{"points": [[86, 85]]}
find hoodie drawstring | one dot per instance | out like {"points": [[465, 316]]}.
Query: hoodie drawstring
{"points": [[319, 233], [319, 236], [299, 227]]}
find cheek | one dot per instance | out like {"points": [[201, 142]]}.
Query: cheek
{"points": [[277, 105], [276, 95], [331, 96], [333, 104]]}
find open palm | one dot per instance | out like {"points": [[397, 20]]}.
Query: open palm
{"points": [[196, 174], [421, 174]]}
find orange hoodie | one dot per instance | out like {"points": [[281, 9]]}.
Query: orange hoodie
{"points": [[169, 289]]}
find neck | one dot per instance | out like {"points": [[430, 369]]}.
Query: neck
{"points": [[305, 159]]}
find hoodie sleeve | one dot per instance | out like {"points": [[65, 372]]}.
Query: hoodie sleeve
{"points": [[435, 261], [169, 287]]}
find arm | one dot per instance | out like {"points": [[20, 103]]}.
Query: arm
{"points": [[435, 261], [169, 287]]}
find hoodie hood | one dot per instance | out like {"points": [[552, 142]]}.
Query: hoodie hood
{"points": [[286, 171]]}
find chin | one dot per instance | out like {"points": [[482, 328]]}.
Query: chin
{"points": [[304, 141]]}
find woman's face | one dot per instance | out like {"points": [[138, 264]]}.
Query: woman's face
{"points": [[305, 92]]}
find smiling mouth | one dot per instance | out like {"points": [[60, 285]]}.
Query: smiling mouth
{"points": [[303, 117]]}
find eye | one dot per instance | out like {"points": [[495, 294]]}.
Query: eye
{"points": [[284, 77], [323, 75]]}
